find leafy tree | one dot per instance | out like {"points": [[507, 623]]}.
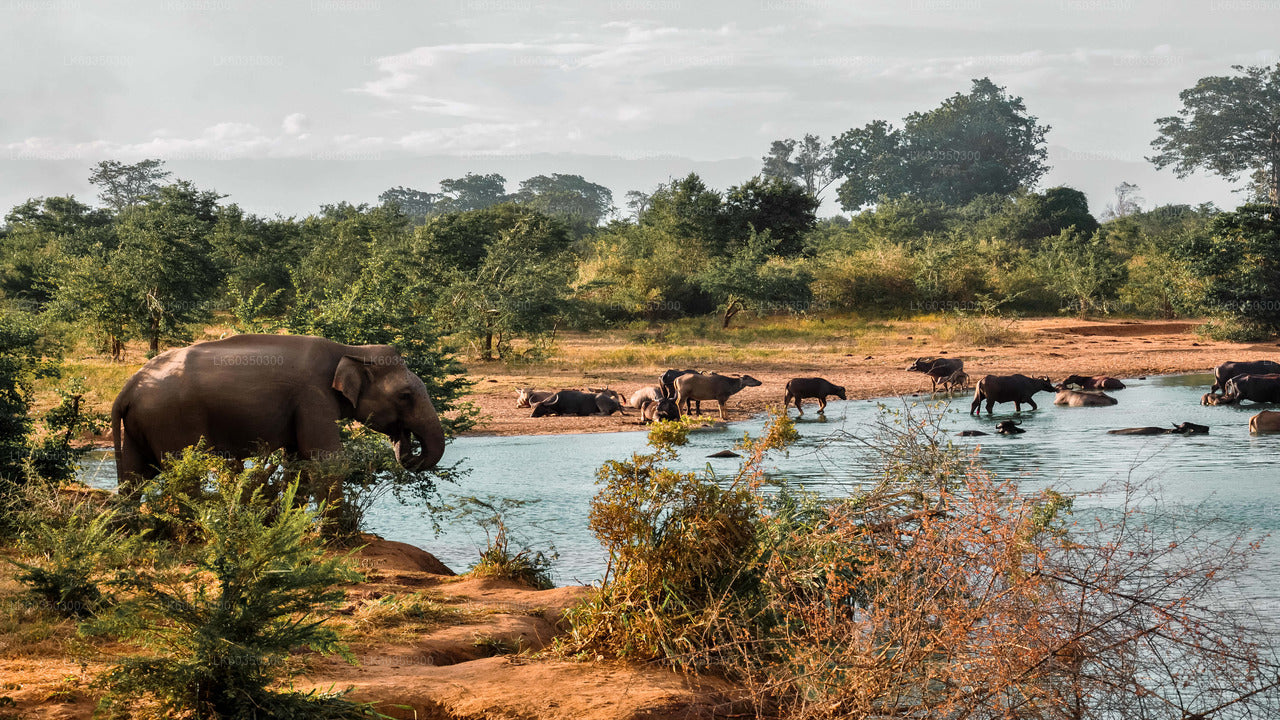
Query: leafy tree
{"points": [[1228, 124], [642, 271], [1239, 260], [415, 204], [256, 256], [472, 192], [807, 161], [125, 186], [781, 207], [579, 203], [688, 208], [869, 159], [982, 143], [1083, 270], [42, 235], [639, 202], [19, 366], [218, 631], [164, 260], [519, 288], [749, 280]]}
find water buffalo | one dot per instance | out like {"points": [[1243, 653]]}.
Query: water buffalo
{"points": [[1097, 382], [527, 397], [1185, 428], [970, 433], [1211, 399], [660, 409], [710, 387], [936, 368], [609, 393], [1255, 388], [1009, 427], [576, 402], [651, 393], [1080, 398], [957, 379], [1016, 389], [1228, 370], [812, 387], [1267, 421], [667, 382]]}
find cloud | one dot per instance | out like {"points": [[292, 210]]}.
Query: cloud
{"points": [[295, 124]]}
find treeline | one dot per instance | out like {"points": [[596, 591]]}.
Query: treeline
{"points": [[941, 219]]}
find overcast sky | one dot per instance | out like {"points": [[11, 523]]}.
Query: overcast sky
{"points": [[287, 105]]}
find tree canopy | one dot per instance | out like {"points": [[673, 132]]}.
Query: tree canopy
{"points": [[1229, 125]]}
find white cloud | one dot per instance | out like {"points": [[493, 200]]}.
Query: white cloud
{"points": [[295, 124]]}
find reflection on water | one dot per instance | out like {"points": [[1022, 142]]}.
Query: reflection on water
{"points": [[1231, 474]]}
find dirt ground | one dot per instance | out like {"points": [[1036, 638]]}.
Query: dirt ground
{"points": [[1053, 347]]}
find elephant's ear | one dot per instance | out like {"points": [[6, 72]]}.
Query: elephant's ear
{"points": [[350, 378]]}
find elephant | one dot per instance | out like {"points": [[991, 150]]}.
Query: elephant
{"points": [[247, 393]]}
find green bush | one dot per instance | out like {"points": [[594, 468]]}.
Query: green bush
{"points": [[500, 558], [217, 631]]}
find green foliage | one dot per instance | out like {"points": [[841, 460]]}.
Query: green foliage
{"points": [[126, 185], [810, 166], [217, 632], [747, 280], [1239, 260], [1228, 124], [500, 558], [71, 559], [679, 548], [580, 204], [982, 143], [472, 192], [1083, 270], [52, 456]]}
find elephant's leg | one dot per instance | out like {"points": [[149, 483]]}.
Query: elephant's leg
{"points": [[318, 438], [135, 464]]}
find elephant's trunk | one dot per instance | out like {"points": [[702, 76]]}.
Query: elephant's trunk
{"points": [[429, 437]]}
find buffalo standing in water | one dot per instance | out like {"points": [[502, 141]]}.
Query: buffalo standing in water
{"points": [[1228, 370], [1016, 389], [937, 369], [801, 388]]}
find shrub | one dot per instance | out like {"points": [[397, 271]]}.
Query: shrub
{"points": [[500, 559], [216, 633]]}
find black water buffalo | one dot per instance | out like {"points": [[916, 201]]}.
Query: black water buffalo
{"points": [[1016, 389], [1228, 370], [937, 368], [1211, 399], [1185, 428], [576, 402], [1008, 427], [667, 382], [1082, 398], [1096, 382], [1255, 388], [660, 409], [812, 387]]}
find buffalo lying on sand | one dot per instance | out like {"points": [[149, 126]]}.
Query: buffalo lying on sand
{"points": [[576, 402], [651, 393], [660, 409], [1185, 428], [527, 397], [1016, 389], [937, 368], [801, 388], [1097, 382]]}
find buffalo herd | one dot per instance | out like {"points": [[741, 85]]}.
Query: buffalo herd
{"points": [[680, 392]]}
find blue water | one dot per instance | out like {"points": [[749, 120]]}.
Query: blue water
{"points": [[1228, 473]]}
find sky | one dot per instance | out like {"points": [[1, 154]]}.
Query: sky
{"points": [[285, 106]]}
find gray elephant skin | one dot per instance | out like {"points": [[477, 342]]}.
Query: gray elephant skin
{"points": [[250, 392]]}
